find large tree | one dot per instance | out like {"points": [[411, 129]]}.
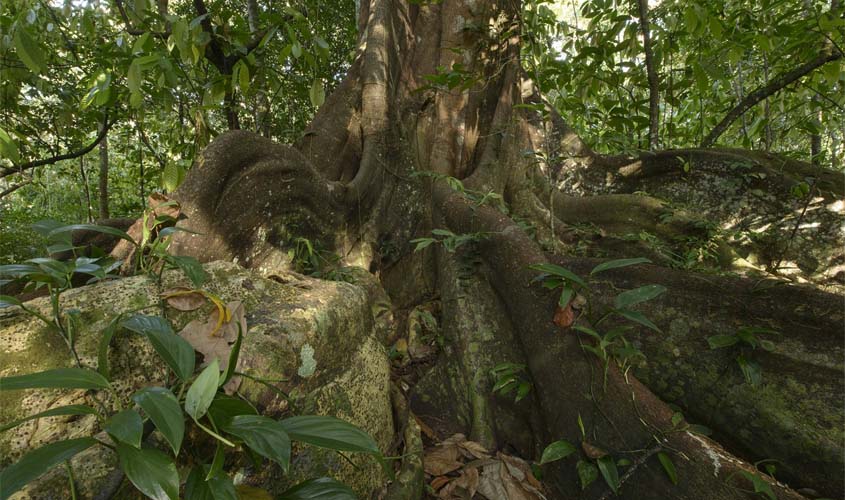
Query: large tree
{"points": [[438, 127]]}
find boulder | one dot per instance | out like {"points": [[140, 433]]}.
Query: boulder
{"points": [[311, 339]]}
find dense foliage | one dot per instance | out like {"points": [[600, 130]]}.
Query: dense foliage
{"points": [[166, 77]]}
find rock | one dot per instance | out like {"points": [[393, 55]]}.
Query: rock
{"points": [[315, 339]]}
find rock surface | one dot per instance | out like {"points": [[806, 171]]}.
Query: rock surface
{"points": [[315, 339]]}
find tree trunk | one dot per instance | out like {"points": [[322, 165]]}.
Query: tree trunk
{"points": [[653, 84], [103, 184], [385, 162]]}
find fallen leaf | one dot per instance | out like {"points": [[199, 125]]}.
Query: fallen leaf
{"points": [[438, 482], [564, 316], [184, 299], [476, 450], [201, 335], [428, 431], [468, 480], [593, 452], [441, 459]]}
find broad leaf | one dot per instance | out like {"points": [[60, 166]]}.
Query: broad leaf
{"points": [[126, 427], [329, 432], [638, 317], [317, 94], [191, 267], [559, 271], [324, 488], [29, 51], [719, 341], [162, 407], [202, 391], [614, 264], [103, 347], [264, 436], [111, 231], [668, 466], [587, 473], [631, 297], [173, 349], [37, 462], [608, 470], [556, 451], [8, 300], [58, 378], [224, 408], [151, 471], [53, 412], [218, 487]]}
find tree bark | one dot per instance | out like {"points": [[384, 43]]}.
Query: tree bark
{"points": [[653, 84], [103, 184]]}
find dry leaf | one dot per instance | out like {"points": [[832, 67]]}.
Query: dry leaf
{"points": [[184, 299], [428, 431], [564, 316], [438, 482], [468, 480], [593, 452], [201, 335], [490, 483], [441, 459], [476, 450]]}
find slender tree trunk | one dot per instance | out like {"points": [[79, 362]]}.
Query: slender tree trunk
{"points": [[103, 184], [653, 83], [86, 191]]}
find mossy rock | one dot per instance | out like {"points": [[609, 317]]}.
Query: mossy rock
{"points": [[316, 339]]}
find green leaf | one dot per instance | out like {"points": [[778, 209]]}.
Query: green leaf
{"points": [[59, 378], [699, 429], [324, 488], [565, 296], [233, 358], [191, 267], [761, 486], [53, 412], [151, 471], [8, 147], [224, 408], [587, 473], [173, 349], [29, 51], [317, 94], [559, 271], [608, 470], [556, 451], [750, 370], [103, 347], [162, 407], [126, 427], [218, 487], [668, 466], [719, 341], [329, 432], [37, 462], [8, 300], [202, 391], [263, 435], [614, 264], [111, 231], [243, 77], [637, 295], [638, 317]]}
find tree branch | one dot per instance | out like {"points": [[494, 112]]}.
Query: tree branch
{"points": [[774, 86], [14, 187], [5, 172]]}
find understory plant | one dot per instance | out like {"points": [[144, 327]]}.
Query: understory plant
{"points": [[195, 396]]}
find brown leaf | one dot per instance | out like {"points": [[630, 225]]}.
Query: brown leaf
{"points": [[441, 459], [468, 480], [428, 431], [201, 335], [593, 452], [476, 450], [438, 482], [564, 316], [184, 299]]}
